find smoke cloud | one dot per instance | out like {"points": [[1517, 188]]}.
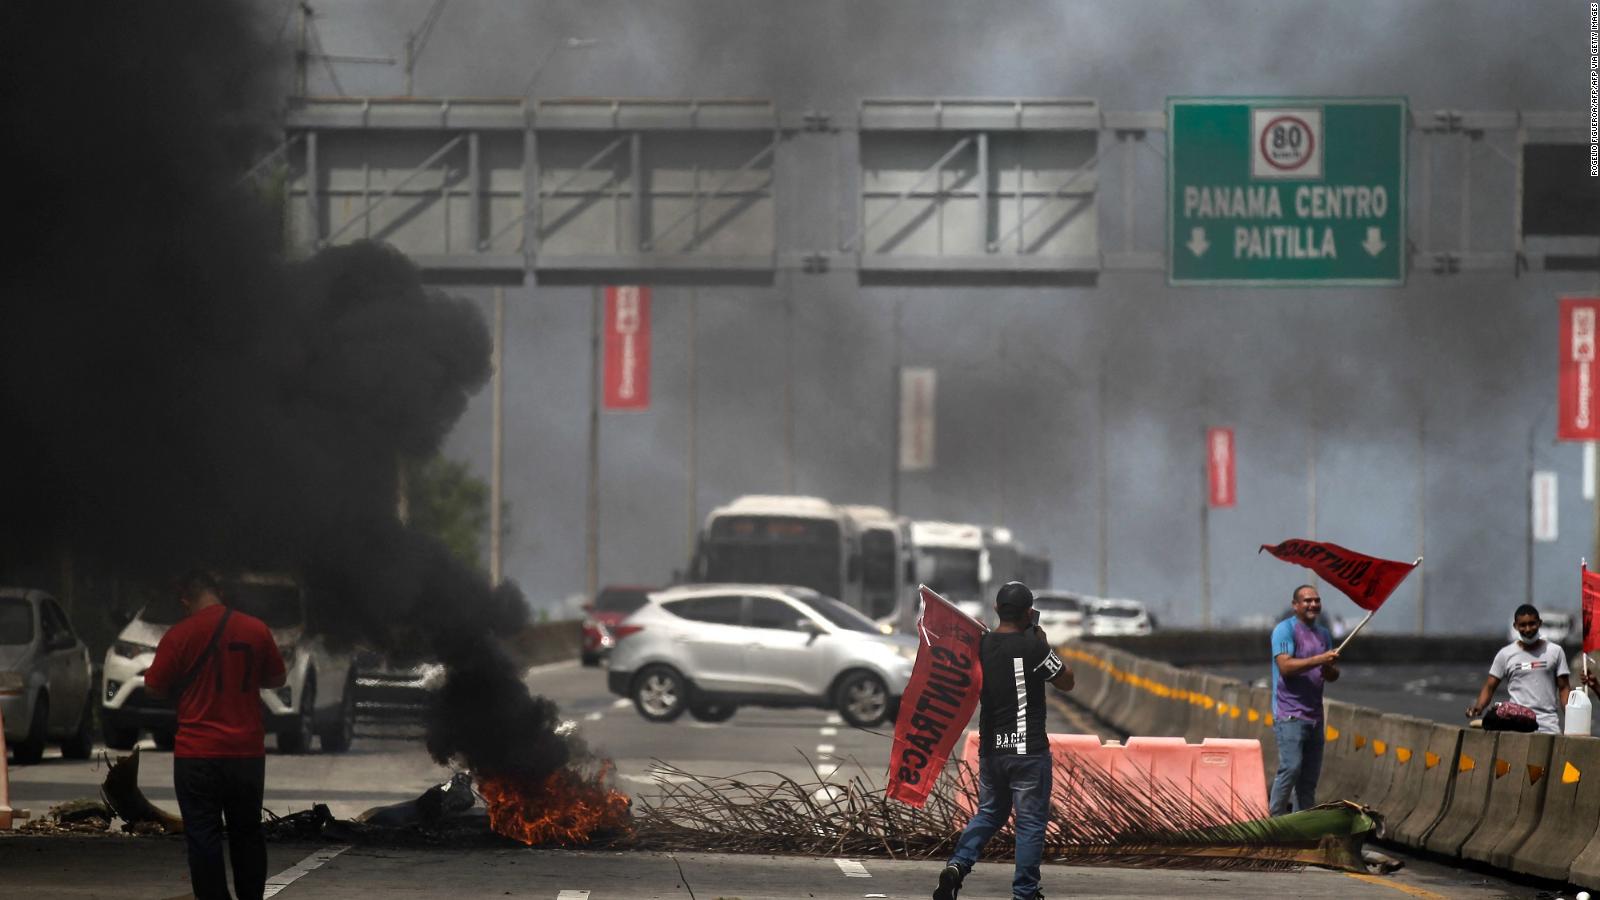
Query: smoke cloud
{"points": [[176, 393]]}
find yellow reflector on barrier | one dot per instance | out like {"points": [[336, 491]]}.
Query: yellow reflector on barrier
{"points": [[1403, 754], [1501, 767], [1570, 773], [1269, 720], [1333, 734], [1253, 716], [1233, 712], [1378, 747], [1467, 763], [1535, 773], [1430, 759], [1360, 741]]}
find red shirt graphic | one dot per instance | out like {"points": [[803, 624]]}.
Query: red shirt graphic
{"points": [[219, 714]]}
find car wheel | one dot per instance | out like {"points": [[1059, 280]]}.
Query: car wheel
{"points": [[338, 736], [660, 694], [81, 743], [712, 712], [863, 699], [164, 739], [296, 736], [116, 736], [30, 749]]}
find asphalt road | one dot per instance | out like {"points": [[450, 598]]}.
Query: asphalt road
{"points": [[383, 770]]}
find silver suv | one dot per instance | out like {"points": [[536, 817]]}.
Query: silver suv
{"points": [[711, 648]]}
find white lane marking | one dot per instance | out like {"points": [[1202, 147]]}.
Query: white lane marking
{"points": [[287, 877], [656, 779], [573, 895], [827, 771], [834, 719], [550, 667], [830, 732], [593, 717], [852, 869], [824, 749], [624, 703]]}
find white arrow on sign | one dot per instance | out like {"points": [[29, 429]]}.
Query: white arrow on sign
{"points": [[1197, 242], [1374, 243]]}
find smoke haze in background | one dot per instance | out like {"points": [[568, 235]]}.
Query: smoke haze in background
{"points": [[175, 393]]}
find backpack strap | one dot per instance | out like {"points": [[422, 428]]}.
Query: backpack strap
{"points": [[205, 656]]}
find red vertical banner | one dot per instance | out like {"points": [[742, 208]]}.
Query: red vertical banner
{"points": [[1219, 466], [1579, 412], [1591, 603], [627, 369]]}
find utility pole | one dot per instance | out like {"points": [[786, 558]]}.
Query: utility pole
{"points": [[1102, 499], [1205, 535], [694, 401], [497, 441], [897, 414], [592, 525]]}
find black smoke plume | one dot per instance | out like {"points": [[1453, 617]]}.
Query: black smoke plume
{"points": [[175, 392]]}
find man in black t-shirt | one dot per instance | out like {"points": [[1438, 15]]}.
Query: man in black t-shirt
{"points": [[1014, 763]]}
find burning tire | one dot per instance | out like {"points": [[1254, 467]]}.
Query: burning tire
{"points": [[712, 712], [863, 699], [660, 694]]}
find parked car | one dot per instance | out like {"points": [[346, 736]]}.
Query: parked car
{"points": [[46, 683], [710, 648], [1060, 614], [318, 698], [610, 606], [1103, 618], [1556, 627]]}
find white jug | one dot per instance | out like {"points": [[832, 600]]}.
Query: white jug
{"points": [[1577, 712]]}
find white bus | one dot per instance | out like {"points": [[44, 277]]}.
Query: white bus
{"points": [[951, 558], [781, 539], [885, 553]]}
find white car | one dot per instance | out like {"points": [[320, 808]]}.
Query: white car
{"points": [[318, 697], [45, 678], [1060, 614], [710, 648], [1104, 618]]}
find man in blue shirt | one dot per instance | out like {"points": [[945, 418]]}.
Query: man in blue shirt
{"points": [[1302, 659]]}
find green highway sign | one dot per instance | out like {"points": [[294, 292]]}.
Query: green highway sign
{"points": [[1286, 191]]}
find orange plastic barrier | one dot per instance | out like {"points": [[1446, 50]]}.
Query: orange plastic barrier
{"points": [[1218, 771]]}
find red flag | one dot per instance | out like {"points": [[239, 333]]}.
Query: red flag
{"points": [[1591, 600], [939, 700], [1367, 580]]}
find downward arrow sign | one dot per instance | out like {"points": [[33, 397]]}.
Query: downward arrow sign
{"points": [[1374, 243], [1197, 242]]}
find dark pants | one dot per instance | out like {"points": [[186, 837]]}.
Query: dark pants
{"points": [[1006, 782], [209, 792]]}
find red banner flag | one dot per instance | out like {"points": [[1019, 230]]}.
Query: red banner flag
{"points": [[1367, 580], [627, 369], [1591, 600], [939, 700], [1578, 395], [1219, 466]]}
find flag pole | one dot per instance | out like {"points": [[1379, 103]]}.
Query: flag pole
{"points": [[1363, 623], [1583, 622]]}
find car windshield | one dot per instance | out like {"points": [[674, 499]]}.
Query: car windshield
{"points": [[1117, 612], [952, 572], [1057, 604], [16, 621], [836, 613], [774, 550], [619, 600]]}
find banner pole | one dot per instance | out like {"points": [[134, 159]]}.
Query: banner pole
{"points": [[1355, 631]]}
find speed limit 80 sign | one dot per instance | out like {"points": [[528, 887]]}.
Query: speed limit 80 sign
{"points": [[1288, 143]]}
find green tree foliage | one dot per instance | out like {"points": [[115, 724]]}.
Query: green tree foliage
{"points": [[447, 501]]}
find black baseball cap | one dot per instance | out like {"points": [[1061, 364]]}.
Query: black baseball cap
{"points": [[1014, 595]]}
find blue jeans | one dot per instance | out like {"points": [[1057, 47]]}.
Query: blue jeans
{"points": [[1299, 765], [1007, 781]]}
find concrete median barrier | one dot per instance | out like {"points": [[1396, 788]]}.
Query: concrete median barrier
{"points": [[1088, 671], [1564, 845], [1143, 710], [1532, 779], [1507, 777], [1469, 796], [1373, 757], [1408, 743], [1203, 699], [1230, 711], [1434, 773], [1339, 766], [1174, 721]]}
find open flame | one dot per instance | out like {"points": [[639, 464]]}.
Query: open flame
{"points": [[567, 807]]}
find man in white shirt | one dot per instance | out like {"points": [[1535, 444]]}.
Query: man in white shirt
{"points": [[1535, 671]]}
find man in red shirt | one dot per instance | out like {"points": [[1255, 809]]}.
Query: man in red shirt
{"points": [[215, 663]]}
